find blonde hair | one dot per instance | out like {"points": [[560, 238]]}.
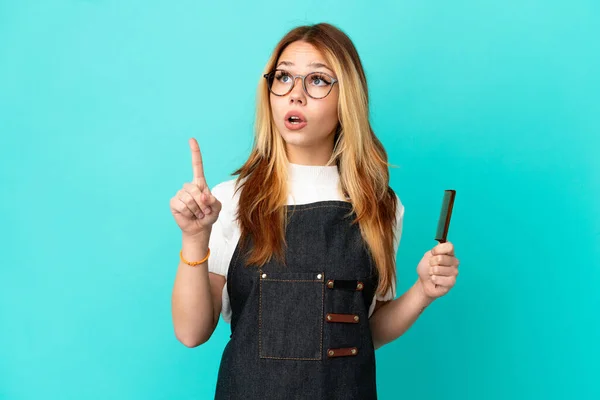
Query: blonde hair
{"points": [[358, 154]]}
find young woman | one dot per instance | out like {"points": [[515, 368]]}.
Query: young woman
{"points": [[298, 252]]}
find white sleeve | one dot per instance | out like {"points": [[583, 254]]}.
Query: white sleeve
{"points": [[219, 240], [391, 293]]}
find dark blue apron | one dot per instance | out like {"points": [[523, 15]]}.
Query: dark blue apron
{"points": [[301, 330]]}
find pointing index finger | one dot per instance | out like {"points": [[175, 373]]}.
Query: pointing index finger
{"points": [[197, 166]]}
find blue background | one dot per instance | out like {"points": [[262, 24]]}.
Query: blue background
{"points": [[496, 99]]}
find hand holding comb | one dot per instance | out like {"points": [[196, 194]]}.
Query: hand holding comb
{"points": [[438, 268]]}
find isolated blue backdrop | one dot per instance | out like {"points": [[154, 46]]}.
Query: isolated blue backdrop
{"points": [[498, 100]]}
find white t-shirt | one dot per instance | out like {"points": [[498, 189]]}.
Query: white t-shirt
{"points": [[307, 184]]}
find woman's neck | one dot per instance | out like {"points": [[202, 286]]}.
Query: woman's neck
{"points": [[315, 156]]}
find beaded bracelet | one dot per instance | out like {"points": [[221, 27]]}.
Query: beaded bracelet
{"points": [[193, 263]]}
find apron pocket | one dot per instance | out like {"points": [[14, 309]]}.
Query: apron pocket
{"points": [[290, 317]]}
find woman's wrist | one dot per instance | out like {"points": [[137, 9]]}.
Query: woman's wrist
{"points": [[195, 247], [423, 298], [201, 236]]}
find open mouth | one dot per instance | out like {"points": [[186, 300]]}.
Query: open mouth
{"points": [[294, 120]]}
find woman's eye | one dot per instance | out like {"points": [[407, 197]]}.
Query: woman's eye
{"points": [[282, 77], [319, 80]]}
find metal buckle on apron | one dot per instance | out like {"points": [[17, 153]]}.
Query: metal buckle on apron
{"points": [[342, 352], [352, 285], [344, 318]]}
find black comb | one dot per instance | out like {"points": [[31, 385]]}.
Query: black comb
{"points": [[445, 214]]}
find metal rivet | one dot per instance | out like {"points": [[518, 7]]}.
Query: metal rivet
{"points": [[356, 318], [331, 352], [353, 351], [359, 286], [264, 275], [330, 284], [329, 318], [319, 276]]}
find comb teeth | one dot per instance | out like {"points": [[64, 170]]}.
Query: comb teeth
{"points": [[445, 215]]}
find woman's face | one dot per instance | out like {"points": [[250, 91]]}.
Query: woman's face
{"points": [[309, 141]]}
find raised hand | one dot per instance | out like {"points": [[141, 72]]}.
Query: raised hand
{"points": [[194, 208]]}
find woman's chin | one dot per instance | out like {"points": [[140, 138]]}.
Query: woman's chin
{"points": [[294, 137]]}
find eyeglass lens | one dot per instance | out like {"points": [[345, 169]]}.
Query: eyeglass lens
{"points": [[318, 85]]}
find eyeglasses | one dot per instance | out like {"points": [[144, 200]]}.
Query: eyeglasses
{"points": [[316, 84]]}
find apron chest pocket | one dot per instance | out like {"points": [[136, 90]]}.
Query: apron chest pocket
{"points": [[290, 317]]}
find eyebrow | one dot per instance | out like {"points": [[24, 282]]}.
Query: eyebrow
{"points": [[312, 64]]}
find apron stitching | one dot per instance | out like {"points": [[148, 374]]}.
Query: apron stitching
{"points": [[260, 315], [314, 207], [291, 280], [283, 358], [322, 311], [236, 257]]}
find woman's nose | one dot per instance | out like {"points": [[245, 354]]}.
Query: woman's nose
{"points": [[297, 94]]}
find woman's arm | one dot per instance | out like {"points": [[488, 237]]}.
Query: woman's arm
{"points": [[196, 298], [437, 273], [392, 318]]}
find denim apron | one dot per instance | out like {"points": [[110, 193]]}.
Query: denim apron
{"points": [[301, 330]]}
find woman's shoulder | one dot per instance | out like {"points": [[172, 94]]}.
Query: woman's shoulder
{"points": [[399, 204], [399, 215]]}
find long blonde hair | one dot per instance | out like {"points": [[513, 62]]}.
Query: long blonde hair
{"points": [[358, 154]]}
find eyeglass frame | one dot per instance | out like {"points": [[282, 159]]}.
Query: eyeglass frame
{"points": [[333, 81]]}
